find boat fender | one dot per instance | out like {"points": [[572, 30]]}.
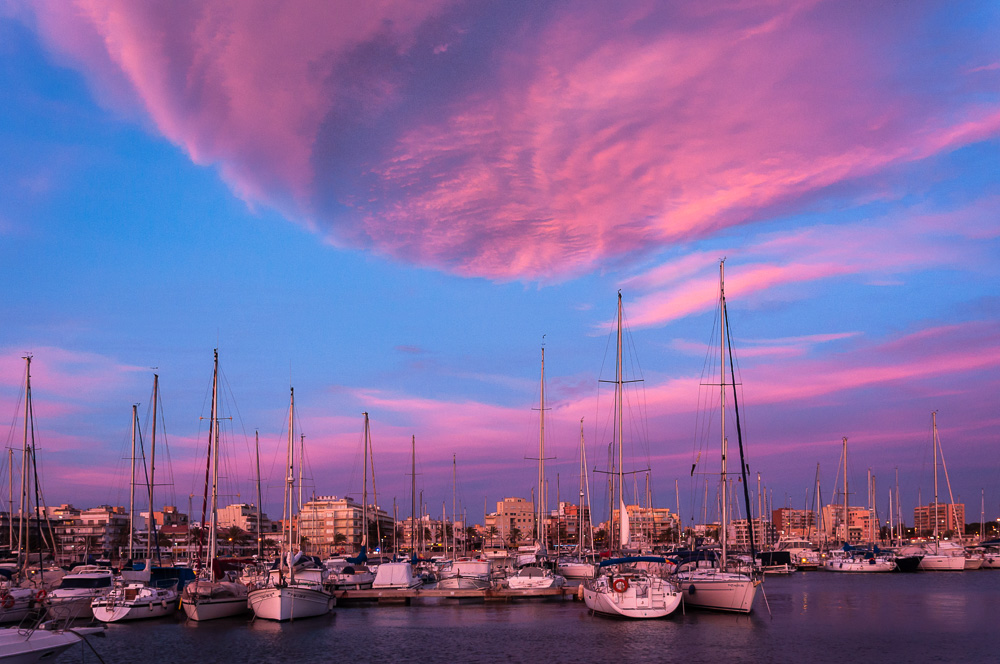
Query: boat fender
{"points": [[619, 585], [691, 589], [163, 604], [8, 601]]}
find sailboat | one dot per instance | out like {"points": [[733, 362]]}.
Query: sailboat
{"points": [[142, 593], [294, 589], [576, 566], [17, 602], [353, 572], [533, 575], [938, 558], [722, 586], [628, 586], [210, 597], [851, 559]]}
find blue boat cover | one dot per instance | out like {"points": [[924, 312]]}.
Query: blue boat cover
{"points": [[632, 559]]}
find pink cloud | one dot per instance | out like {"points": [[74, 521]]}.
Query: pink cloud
{"points": [[529, 146], [919, 240]]}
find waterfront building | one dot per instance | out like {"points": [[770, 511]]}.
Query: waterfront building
{"points": [[648, 526], [565, 524], [862, 524], [764, 534], [513, 516], [794, 523], [950, 518], [329, 524], [101, 532], [169, 516]]}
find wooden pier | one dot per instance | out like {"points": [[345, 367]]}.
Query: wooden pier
{"points": [[409, 595]]}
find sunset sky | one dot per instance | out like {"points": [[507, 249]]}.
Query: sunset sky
{"points": [[393, 205]]}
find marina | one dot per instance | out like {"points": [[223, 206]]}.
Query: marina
{"points": [[808, 617]]}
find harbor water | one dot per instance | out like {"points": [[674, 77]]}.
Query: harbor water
{"points": [[807, 617]]}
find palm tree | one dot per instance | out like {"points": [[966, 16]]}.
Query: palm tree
{"points": [[514, 536], [236, 537]]}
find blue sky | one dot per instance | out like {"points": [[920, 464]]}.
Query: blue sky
{"points": [[391, 218]]}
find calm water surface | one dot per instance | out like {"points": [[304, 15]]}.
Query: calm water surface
{"points": [[814, 617]]}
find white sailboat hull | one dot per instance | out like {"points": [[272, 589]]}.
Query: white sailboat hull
{"points": [[641, 598], [535, 582], [464, 583], [211, 609], [935, 563], [16, 604], [718, 591], [974, 563], [19, 647], [290, 602], [991, 561], [576, 570], [70, 608], [107, 610], [860, 566]]}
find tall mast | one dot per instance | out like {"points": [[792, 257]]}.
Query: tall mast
{"points": [[10, 498], [413, 494], [454, 536], [935, 444], [364, 490], [724, 517], [619, 402], [541, 458], [152, 473], [290, 481], [131, 493], [213, 542], [580, 540], [24, 528], [260, 535], [847, 530]]}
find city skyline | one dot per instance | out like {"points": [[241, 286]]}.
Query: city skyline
{"points": [[392, 208]]}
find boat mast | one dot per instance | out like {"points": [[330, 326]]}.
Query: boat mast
{"points": [[152, 474], [934, 437], [541, 458], [454, 536], [213, 540], [131, 493], [619, 402], [724, 517], [583, 471], [364, 491], [847, 531], [24, 529], [260, 535], [413, 494], [286, 512], [10, 498]]}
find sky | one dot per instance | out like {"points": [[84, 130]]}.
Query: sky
{"points": [[393, 206]]}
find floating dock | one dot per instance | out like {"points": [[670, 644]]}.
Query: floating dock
{"points": [[408, 595]]}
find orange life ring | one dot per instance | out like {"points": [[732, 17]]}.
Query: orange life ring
{"points": [[8, 601], [619, 585], [40, 595]]}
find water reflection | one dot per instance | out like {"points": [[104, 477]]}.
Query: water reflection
{"points": [[814, 617]]}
